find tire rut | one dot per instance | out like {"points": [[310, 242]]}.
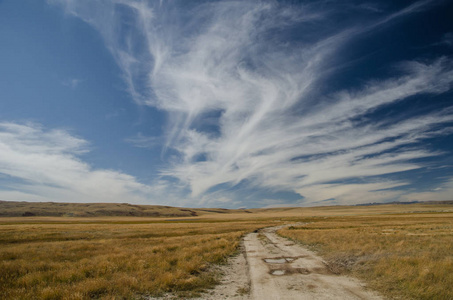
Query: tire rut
{"points": [[281, 269]]}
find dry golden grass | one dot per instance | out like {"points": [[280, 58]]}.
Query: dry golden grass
{"points": [[112, 261], [404, 256], [402, 250]]}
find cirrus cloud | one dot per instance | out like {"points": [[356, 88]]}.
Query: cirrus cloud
{"points": [[37, 164], [248, 102]]}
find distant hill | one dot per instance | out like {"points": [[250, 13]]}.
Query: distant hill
{"points": [[408, 202], [53, 209], [56, 209]]}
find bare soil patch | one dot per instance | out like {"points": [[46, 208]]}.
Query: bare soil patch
{"points": [[271, 267]]}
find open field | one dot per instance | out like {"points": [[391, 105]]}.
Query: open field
{"points": [[400, 250], [404, 256], [281, 269], [108, 260]]}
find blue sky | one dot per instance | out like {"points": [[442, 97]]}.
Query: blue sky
{"points": [[226, 103]]}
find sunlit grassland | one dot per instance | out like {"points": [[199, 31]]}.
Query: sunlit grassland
{"points": [[402, 250], [113, 260], [404, 256]]}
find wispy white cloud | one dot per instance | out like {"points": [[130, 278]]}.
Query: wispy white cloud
{"points": [[442, 192], [265, 145], [143, 141], [46, 165], [244, 102], [351, 194], [413, 8], [72, 83]]}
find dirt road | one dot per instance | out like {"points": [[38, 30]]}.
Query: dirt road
{"points": [[270, 267], [281, 269]]}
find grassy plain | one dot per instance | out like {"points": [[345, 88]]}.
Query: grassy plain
{"points": [[403, 256], [112, 258], [401, 250]]}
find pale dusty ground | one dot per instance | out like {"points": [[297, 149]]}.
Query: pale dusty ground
{"points": [[235, 281], [293, 272], [272, 267]]}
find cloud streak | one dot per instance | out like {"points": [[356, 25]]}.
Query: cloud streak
{"points": [[46, 165], [247, 103], [71, 83]]}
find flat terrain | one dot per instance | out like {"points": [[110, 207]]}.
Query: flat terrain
{"points": [[400, 251], [404, 256], [113, 259], [280, 269]]}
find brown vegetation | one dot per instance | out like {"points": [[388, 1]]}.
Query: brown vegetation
{"points": [[109, 261], [93, 210], [404, 256], [401, 250], [52, 209]]}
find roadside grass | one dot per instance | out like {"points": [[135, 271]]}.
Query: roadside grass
{"points": [[113, 261], [404, 251], [404, 256]]}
